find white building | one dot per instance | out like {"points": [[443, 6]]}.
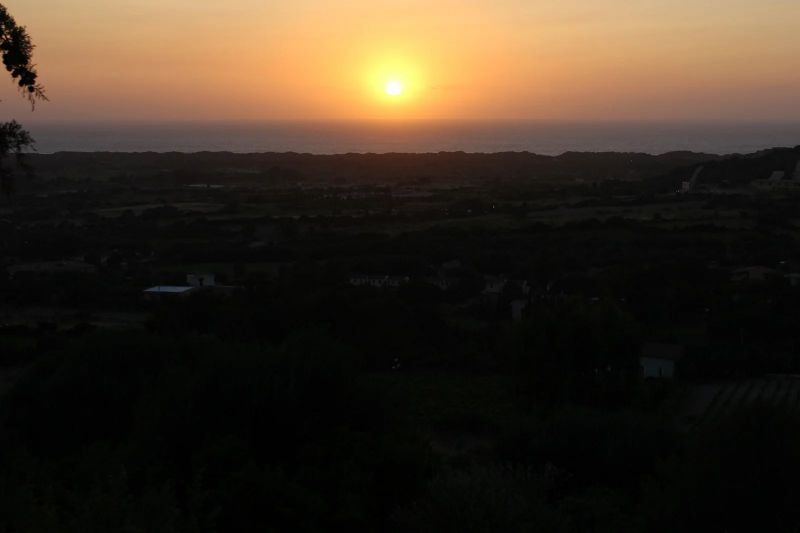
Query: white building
{"points": [[689, 185], [658, 360], [194, 282]]}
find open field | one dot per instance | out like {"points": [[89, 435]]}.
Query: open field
{"points": [[711, 403]]}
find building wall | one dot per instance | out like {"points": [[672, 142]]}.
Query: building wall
{"points": [[657, 368]]}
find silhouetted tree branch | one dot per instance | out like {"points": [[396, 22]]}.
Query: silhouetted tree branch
{"points": [[17, 51]]}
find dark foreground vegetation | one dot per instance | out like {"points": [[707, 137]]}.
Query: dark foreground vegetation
{"points": [[397, 352]]}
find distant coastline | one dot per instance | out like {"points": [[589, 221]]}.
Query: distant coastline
{"points": [[340, 137]]}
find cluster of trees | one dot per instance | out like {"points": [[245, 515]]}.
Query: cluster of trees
{"points": [[142, 432], [16, 49]]}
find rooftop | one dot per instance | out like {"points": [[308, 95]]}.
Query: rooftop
{"points": [[168, 289]]}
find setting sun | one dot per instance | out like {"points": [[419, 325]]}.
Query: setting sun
{"points": [[394, 88]]}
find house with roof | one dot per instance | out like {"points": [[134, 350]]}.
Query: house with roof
{"points": [[194, 283], [165, 292]]}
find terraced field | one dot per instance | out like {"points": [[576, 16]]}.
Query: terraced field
{"points": [[711, 403]]}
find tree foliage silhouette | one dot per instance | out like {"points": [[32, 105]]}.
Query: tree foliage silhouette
{"points": [[17, 52]]}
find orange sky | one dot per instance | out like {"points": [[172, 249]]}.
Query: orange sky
{"points": [[469, 59]]}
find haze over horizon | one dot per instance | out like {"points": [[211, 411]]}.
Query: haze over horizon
{"points": [[355, 60]]}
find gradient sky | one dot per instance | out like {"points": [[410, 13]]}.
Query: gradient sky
{"points": [[469, 59]]}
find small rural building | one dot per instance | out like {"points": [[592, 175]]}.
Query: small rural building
{"points": [[206, 283], [494, 284], [378, 282], [162, 292], [753, 273], [778, 179], [689, 185], [518, 308], [490, 295], [657, 360]]}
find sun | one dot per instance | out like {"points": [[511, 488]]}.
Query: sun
{"points": [[394, 88]]}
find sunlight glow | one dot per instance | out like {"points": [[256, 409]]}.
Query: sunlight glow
{"points": [[395, 85], [394, 88]]}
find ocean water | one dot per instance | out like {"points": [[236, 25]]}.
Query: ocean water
{"points": [[548, 138]]}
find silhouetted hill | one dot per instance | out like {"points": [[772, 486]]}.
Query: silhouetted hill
{"points": [[738, 170], [364, 168]]}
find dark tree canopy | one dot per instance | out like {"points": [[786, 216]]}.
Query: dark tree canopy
{"points": [[17, 51]]}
